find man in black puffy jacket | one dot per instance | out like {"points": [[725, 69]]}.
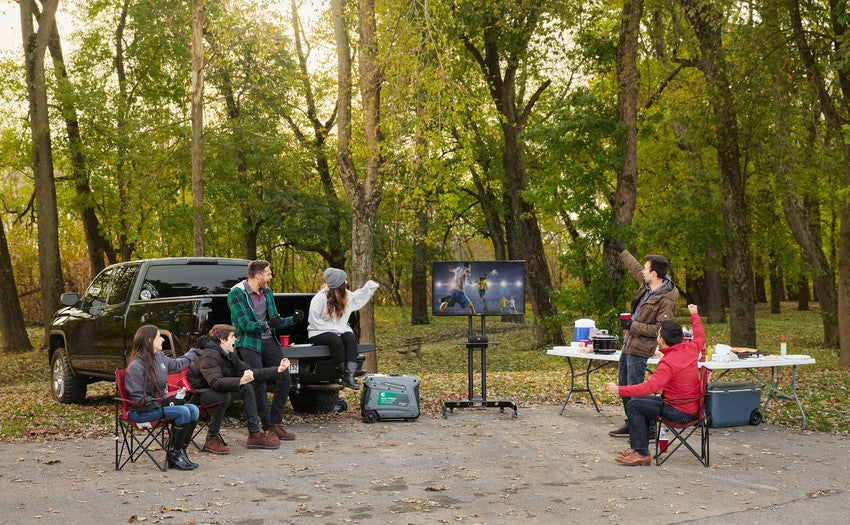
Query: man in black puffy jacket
{"points": [[218, 376]]}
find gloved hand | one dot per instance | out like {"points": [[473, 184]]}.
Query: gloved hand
{"points": [[626, 324], [275, 321], [617, 245], [297, 316]]}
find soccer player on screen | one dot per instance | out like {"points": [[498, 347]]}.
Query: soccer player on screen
{"points": [[456, 293]]}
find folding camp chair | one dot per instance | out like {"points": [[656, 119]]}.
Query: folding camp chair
{"points": [[179, 380], [678, 433], [134, 439]]}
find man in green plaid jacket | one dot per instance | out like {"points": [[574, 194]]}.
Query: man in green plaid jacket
{"points": [[255, 317]]}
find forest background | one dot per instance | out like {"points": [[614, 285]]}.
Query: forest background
{"points": [[380, 136]]}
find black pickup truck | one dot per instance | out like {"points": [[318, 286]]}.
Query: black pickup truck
{"points": [[92, 335]]}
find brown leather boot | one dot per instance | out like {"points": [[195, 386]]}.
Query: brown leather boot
{"points": [[634, 459], [263, 439], [282, 433], [216, 445]]}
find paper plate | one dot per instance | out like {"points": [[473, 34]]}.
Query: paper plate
{"points": [[796, 356], [560, 348]]}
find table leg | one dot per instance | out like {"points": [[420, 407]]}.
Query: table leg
{"points": [[586, 374], [572, 385], [775, 393], [587, 383]]}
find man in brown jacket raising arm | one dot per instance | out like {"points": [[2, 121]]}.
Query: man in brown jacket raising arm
{"points": [[654, 302]]}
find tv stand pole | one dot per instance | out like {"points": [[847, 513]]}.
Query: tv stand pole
{"points": [[477, 343]]}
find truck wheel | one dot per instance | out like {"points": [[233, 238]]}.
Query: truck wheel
{"points": [[756, 418], [370, 416], [65, 386], [314, 401]]}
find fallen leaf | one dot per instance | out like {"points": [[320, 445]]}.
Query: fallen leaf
{"points": [[435, 489]]}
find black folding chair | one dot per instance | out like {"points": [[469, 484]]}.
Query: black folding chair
{"points": [[678, 433]]}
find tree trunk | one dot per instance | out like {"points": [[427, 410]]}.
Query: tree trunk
{"points": [[777, 286], [715, 307], [49, 264], [804, 232], [502, 88], [365, 194], [15, 338], [419, 307], [198, 128], [336, 250], [419, 310], [803, 293], [837, 123], [628, 78], [125, 247], [492, 218], [97, 245], [707, 22], [844, 271], [760, 289]]}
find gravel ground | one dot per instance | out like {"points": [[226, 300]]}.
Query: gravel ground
{"points": [[477, 466]]}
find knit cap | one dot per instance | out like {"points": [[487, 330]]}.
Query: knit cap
{"points": [[334, 277]]}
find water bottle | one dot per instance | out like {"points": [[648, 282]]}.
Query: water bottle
{"points": [[181, 393], [783, 346], [662, 439]]}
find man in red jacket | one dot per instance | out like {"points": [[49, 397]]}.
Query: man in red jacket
{"points": [[677, 375]]}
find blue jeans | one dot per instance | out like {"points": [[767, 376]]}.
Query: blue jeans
{"points": [[180, 414], [630, 371], [642, 412]]}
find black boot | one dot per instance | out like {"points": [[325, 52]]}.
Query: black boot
{"points": [[348, 376], [190, 431], [176, 452]]}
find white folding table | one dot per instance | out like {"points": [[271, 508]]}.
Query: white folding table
{"points": [[594, 363], [597, 361], [751, 364]]}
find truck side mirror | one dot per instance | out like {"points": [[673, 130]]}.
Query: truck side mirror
{"points": [[69, 299]]}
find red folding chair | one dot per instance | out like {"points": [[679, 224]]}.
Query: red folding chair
{"points": [[679, 433], [134, 439], [179, 380]]}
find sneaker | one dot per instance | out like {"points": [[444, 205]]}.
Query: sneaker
{"points": [[263, 439], [216, 445], [623, 431], [281, 433]]}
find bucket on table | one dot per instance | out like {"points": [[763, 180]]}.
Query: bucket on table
{"points": [[583, 328]]}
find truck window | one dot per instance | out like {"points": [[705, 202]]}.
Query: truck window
{"points": [[190, 279], [122, 282], [98, 289]]}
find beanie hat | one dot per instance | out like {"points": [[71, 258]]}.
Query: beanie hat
{"points": [[671, 332], [334, 277]]}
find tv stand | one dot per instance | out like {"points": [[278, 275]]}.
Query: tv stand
{"points": [[477, 343]]}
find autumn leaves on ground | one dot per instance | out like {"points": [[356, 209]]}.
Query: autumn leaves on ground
{"points": [[516, 371]]}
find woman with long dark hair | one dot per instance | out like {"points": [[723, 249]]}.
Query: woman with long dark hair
{"points": [[328, 321], [146, 386]]}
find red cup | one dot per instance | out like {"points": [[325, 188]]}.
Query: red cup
{"points": [[663, 443], [625, 316], [284, 340]]}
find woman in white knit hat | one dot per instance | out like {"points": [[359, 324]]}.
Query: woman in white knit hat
{"points": [[327, 321]]}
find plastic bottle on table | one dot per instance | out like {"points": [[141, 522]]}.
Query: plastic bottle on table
{"points": [[783, 346]]}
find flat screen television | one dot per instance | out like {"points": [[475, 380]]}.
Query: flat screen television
{"points": [[478, 287]]}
